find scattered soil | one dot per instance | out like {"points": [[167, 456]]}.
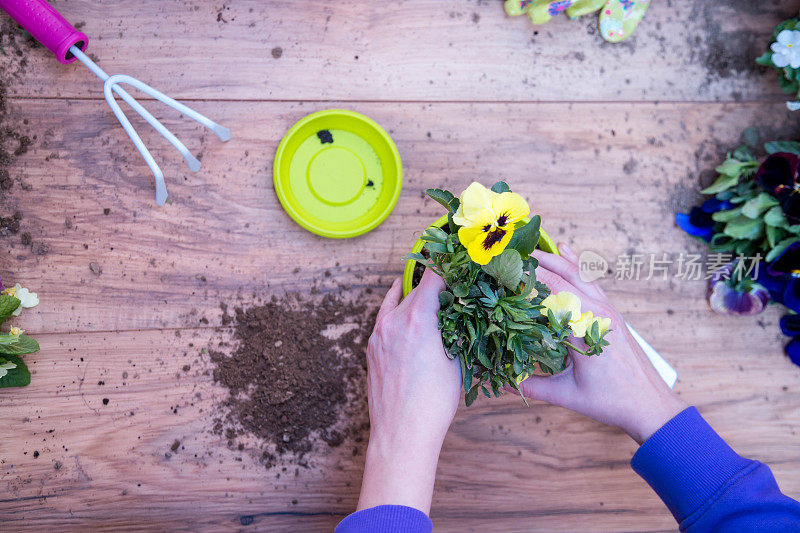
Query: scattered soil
{"points": [[325, 137], [15, 45], [295, 376]]}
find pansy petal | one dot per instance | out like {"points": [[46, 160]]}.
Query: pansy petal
{"points": [[791, 296], [697, 223], [775, 283], [726, 301], [790, 325], [780, 59], [478, 253], [778, 169], [712, 205], [474, 199], [788, 262], [467, 234], [785, 37], [512, 206], [793, 351], [580, 326], [562, 303], [603, 324], [790, 203]]}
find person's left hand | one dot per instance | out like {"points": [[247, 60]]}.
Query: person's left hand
{"points": [[413, 390]]}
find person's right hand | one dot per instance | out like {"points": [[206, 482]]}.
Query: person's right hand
{"points": [[619, 387]]}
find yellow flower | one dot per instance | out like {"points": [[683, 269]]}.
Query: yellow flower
{"points": [[562, 303], [487, 220], [603, 324], [581, 326], [565, 302], [16, 331]]}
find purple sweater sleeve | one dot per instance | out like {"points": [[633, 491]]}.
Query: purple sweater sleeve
{"points": [[386, 519], [709, 487]]}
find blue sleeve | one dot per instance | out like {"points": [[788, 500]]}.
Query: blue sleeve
{"points": [[386, 519], [709, 487]]}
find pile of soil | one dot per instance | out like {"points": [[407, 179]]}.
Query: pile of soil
{"points": [[296, 374]]}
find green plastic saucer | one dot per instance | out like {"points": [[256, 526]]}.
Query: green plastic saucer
{"points": [[337, 173]]}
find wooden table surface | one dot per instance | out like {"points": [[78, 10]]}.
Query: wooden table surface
{"points": [[606, 141]]}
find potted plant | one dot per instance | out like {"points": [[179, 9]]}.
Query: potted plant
{"points": [[495, 317]]}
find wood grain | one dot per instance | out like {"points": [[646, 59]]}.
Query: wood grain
{"points": [[453, 50], [504, 466], [607, 142]]}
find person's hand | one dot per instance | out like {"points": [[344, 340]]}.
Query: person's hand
{"points": [[619, 387], [413, 391]]}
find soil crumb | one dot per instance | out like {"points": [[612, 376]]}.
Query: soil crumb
{"points": [[325, 137], [295, 374]]}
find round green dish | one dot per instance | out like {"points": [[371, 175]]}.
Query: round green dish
{"points": [[337, 173]]}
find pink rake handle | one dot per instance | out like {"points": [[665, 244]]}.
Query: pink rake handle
{"points": [[47, 26]]}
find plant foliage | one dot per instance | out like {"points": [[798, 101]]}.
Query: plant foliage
{"points": [[491, 316]]}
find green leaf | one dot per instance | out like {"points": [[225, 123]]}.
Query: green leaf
{"points": [[22, 346], [16, 377], [415, 257], [446, 299], [434, 234], [754, 207], [506, 268], [744, 228], [727, 215], [526, 238], [460, 290], [442, 196], [8, 304], [776, 217], [436, 247], [765, 60], [782, 146], [780, 248], [500, 187], [774, 235], [723, 183], [470, 396]]}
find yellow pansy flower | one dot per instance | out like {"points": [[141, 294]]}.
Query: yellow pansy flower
{"points": [[562, 303], [487, 220], [566, 302], [602, 324], [582, 325]]}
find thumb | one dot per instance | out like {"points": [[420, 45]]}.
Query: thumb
{"points": [[426, 294], [551, 389]]}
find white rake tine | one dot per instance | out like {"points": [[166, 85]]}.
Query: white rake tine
{"points": [[161, 188], [191, 160], [222, 132]]}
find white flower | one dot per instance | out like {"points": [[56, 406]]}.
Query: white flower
{"points": [[5, 367], [27, 298], [16, 331], [786, 51]]}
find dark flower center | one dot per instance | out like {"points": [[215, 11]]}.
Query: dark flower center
{"points": [[502, 220], [486, 228], [493, 238]]}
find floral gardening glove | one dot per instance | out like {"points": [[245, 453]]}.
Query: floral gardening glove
{"points": [[618, 18]]}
